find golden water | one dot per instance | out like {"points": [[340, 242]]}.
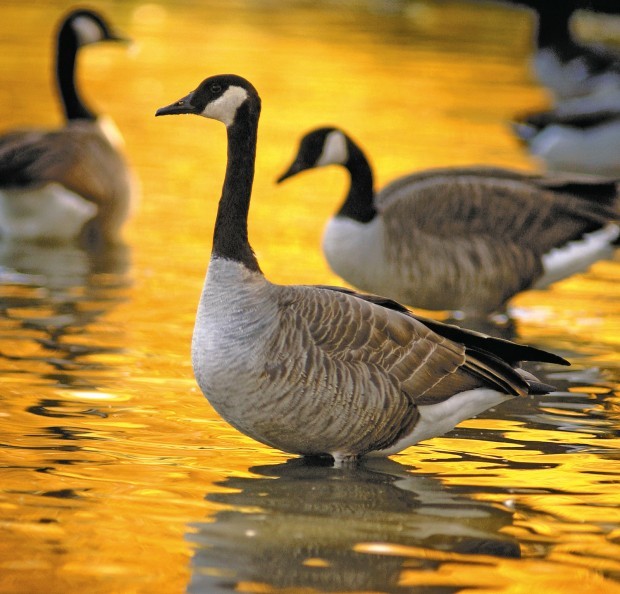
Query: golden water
{"points": [[117, 477]]}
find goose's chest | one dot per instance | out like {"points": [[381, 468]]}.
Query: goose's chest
{"points": [[235, 318], [355, 251]]}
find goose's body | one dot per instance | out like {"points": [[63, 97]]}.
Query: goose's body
{"points": [[458, 239], [320, 370], [72, 182]]}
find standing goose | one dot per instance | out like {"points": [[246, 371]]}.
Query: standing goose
{"points": [[72, 182], [463, 239], [317, 370]]}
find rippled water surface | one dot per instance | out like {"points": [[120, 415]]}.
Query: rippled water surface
{"points": [[117, 477]]}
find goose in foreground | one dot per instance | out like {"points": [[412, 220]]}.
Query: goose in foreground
{"points": [[460, 239], [72, 182], [587, 142], [318, 370]]}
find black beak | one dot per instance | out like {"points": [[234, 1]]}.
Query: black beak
{"points": [[295, 168], [183, 105]]}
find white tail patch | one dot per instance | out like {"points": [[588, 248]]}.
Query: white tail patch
{"points": [[334, 150], [578, 256], [437, 419], [224, 109]]}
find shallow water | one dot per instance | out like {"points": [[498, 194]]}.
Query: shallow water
{"points": [[116, 474]]}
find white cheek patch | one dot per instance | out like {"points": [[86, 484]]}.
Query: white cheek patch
{"points": [[225, 108], [334, 150], [87, 30]]}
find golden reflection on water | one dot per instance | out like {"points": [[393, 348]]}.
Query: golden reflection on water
{"points": [[118, 477]]}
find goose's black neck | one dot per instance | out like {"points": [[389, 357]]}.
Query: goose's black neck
{"points": [[359, 203], [66, 58], [230, 238]]}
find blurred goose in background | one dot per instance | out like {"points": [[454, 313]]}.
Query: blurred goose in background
{"points": [[579, 143], [317, 370], [582, 78], [464, 239], [72, 182], [581, 133]]}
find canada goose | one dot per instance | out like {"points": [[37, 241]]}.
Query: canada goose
{"points": [[587, 142], [317, 370], [463, 239], [70, 182]]}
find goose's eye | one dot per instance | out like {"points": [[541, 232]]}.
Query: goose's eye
{"points": [[216, 89]]}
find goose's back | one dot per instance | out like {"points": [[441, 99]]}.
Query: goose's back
{"points": [[480, 234]]}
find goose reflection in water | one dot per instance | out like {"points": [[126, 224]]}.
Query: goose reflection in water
{"points": [[52, 300], [303, 524], [55, 292], [59, 266]]}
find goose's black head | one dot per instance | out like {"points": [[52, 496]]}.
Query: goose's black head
{"points": [[222, 97], [87, 26], [318, 148]]}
